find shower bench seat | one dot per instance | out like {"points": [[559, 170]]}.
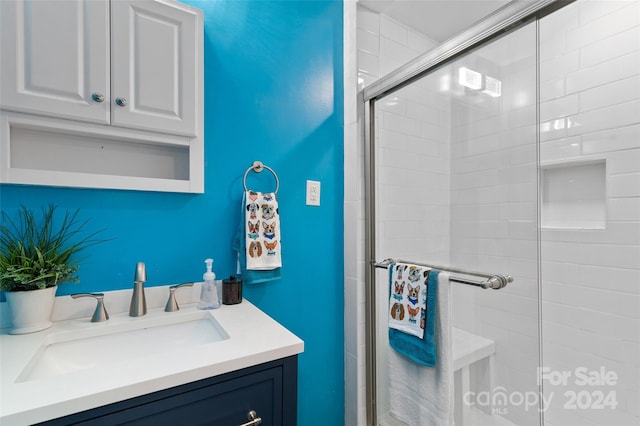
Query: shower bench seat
{"points": [[468, 349]]}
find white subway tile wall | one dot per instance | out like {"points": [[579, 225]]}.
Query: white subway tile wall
{"points": [[591, 278], [355, 408]]}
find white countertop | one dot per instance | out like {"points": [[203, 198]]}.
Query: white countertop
{"points": [[254, 338]]}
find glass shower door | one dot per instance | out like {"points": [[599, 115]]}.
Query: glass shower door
{"points": [[456, 184]]}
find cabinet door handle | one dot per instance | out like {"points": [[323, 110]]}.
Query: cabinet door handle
{"points": [[98, 97], [121, 102], [254, 420]]}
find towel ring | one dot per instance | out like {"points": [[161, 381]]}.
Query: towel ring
{"points": [[258, 167]]}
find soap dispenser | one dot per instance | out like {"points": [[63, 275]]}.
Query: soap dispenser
{"points": [[209, 298]]}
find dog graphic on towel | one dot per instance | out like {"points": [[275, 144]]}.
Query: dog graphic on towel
{"points": [[397, 311], [398, 290], [255, 249], [407, 301]]}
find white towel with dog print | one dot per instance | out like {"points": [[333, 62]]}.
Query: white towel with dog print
{"points": [[263, 245], [408, 299]]}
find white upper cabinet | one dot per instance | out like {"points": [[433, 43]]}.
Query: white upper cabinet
{"points": [[59, 58], [102, 94], [154, 66], [55, 57]]}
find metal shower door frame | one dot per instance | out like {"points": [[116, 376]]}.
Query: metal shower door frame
{"points": [[509, 17]]}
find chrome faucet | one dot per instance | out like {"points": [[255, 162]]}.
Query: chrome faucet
{"points": [[138, 306]]}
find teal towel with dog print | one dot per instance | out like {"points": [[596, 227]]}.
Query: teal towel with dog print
{"points": [[258, 242], [405, 296]]}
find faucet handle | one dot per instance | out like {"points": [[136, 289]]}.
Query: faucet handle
{"points": [[100, 314], [172, 304]]}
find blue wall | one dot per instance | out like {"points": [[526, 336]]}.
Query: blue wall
{"points": [[273, 92]]}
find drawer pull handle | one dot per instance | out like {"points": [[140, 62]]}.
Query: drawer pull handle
{"points": [[121, 102], [254, 420]]}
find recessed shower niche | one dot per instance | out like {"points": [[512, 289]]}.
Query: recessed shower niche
{"points": [[573, 195]]}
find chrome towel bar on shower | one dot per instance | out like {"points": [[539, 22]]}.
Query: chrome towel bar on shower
{"points": [[492, 281]]}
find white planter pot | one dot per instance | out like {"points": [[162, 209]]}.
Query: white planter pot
{"points": [[31, 310]]}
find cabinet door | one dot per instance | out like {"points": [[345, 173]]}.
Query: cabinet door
{"points": [[55, 56], [154, 66]]}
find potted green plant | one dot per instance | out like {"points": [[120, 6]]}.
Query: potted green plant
{"points": [[37, 254]]}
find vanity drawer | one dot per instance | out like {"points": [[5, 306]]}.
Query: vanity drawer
{"points": [[270, 390]]}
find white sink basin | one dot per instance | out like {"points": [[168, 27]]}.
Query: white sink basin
{"points": [[102, 344]]}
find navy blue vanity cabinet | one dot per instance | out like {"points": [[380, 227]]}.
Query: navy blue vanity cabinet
{"points": [[269, 390]]}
